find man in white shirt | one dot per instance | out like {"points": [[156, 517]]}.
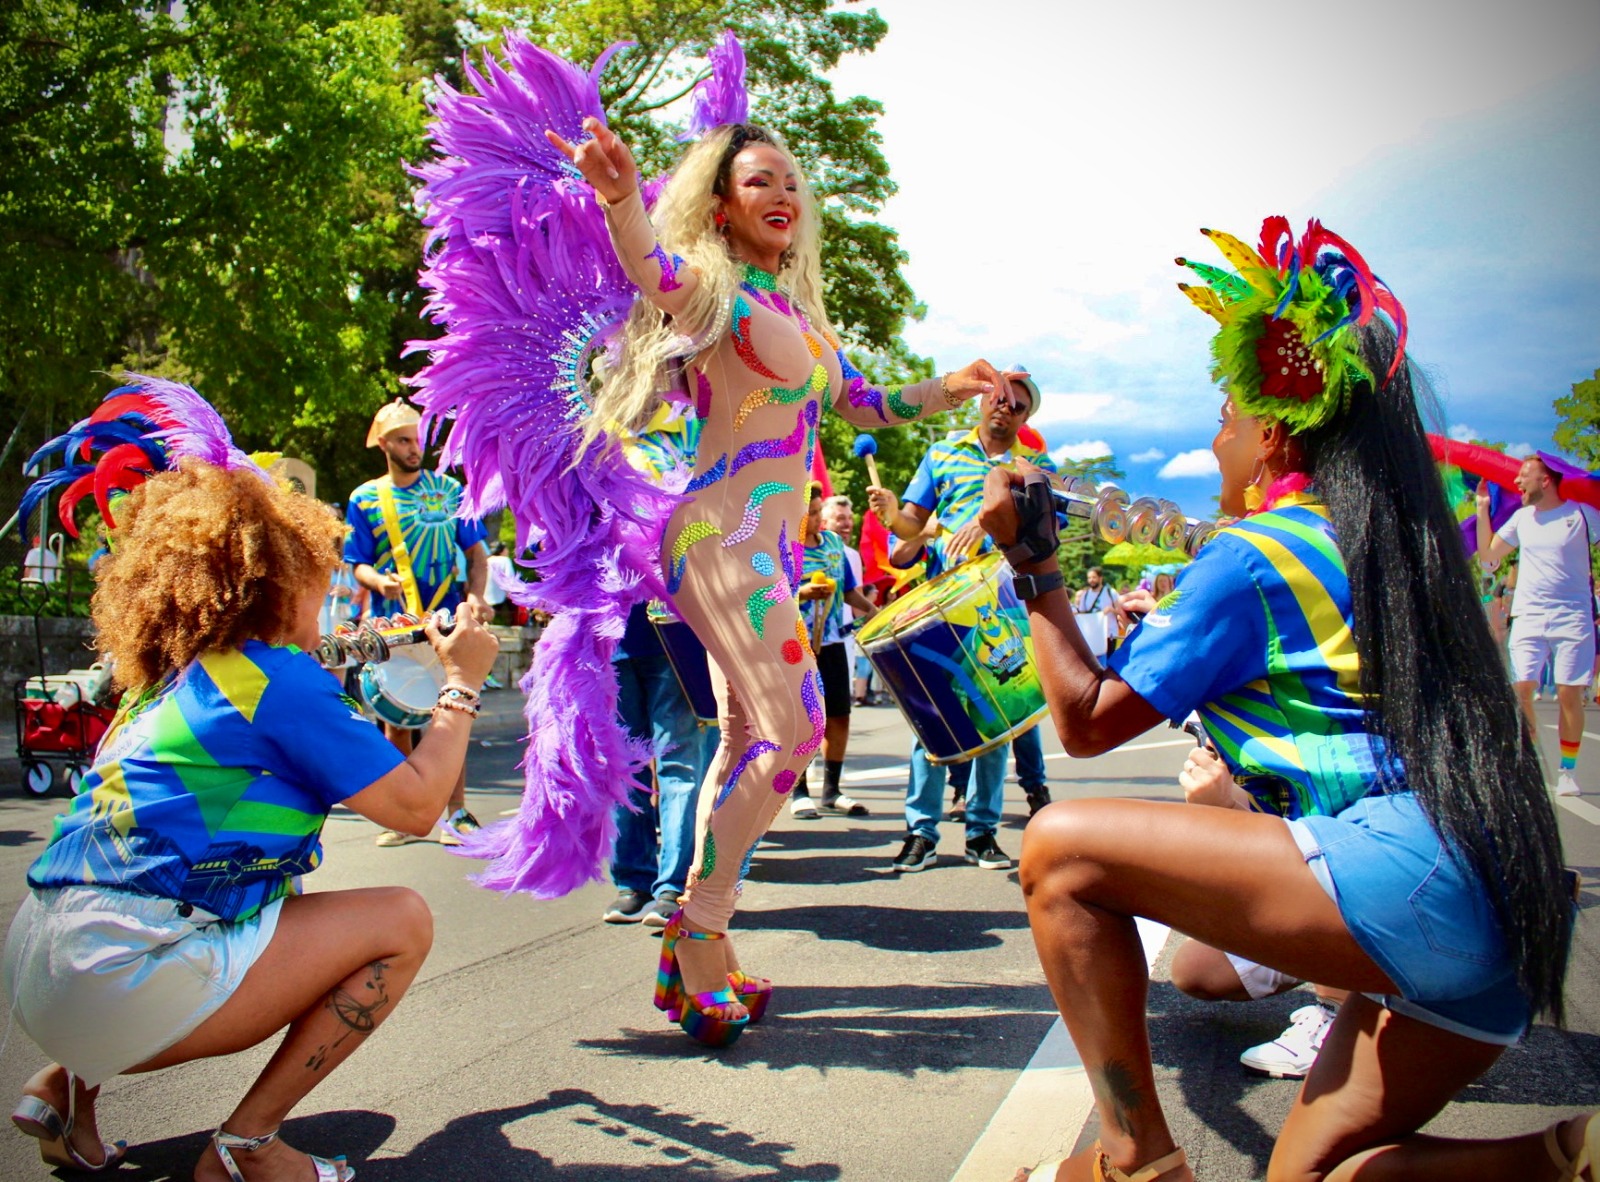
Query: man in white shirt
{"points": [[1553, 616], [1096, 607]]}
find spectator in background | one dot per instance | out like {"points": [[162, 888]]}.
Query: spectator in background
{"points": [[41, 564], [839, 515], [1096, 606], [1554, 620], [411, 551], [823, 601], [651, 871]]}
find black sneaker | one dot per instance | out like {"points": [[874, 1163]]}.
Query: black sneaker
{"points": [[627, 907], [917, 854], [659, 911], [986, 853], [1037, 799], [958, 807]]}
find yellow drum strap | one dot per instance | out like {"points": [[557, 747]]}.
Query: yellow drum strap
{"points": [[397, 547]]}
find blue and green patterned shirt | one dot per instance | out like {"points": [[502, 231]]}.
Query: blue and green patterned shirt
{"points": [[212, 789], [949, 483], [1256, 636]]}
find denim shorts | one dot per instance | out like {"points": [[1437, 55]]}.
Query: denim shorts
{"points": [[1422, 915]]}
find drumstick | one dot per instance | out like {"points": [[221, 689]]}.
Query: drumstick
{"points": [[866, 447]]}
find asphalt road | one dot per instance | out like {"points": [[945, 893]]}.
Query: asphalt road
{"points": [[898, 1046]]}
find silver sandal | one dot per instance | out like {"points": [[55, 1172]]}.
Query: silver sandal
{"points": [[39, 1118], [328, 1170]]}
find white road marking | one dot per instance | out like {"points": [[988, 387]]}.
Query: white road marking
{"points": [[1043, 1114], [1579, 807], [1550, 726], [900, 770]]}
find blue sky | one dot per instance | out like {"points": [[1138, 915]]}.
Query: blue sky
{"points": [[1053, 158]]}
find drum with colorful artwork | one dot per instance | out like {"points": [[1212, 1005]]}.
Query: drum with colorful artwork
{"points": [[958, 659]]}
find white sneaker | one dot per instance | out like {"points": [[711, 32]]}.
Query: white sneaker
{"points": [[1291, 1054], [1567, 786]]}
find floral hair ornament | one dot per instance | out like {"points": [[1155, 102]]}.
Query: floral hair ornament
{"points": [[1286, 350]]}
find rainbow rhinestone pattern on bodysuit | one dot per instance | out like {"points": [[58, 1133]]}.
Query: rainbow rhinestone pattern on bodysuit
{"points": [[752, 510], [771, 449], [813, 704], [817, 383], [678, 564], [757, 748]]}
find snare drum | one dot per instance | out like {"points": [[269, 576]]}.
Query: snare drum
{"points": [[687, 656], [402, 691], [958, 659]]}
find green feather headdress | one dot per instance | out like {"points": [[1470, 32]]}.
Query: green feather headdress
{"points": [[1287, 348]]}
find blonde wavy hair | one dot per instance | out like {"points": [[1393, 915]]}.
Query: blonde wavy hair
{"points": [[206, 558], [652, 345]]}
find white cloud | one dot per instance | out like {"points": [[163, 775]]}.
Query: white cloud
{"points": [[1520, 449], [1199, 462], [1078, 452], [1147, 457], [1462, 433]]}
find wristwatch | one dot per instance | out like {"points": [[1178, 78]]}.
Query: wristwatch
{"points": [[1033, 586]]}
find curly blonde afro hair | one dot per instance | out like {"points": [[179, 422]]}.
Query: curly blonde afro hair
{"points": [[206, 558]]}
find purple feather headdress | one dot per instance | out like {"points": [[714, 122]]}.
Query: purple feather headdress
{"points": [[521, 273], [721, 98], [142, 427]]}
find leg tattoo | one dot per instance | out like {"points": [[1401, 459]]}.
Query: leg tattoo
{"points": [[359, 1015], [1114, 1085]]}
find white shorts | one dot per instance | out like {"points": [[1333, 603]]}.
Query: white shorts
{"points": [[104, 979], [1258, 980], [1572, 650]]}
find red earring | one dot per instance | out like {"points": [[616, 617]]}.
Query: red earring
{"points": [[721, 219]]}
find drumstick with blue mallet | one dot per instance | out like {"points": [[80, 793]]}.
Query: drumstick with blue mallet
{"points": [[866, 447]]}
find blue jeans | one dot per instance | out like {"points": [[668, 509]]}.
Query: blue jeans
{"points": [[1028, 748], [925, 794], [652, 708]]}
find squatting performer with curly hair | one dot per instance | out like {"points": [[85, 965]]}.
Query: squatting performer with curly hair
{"points": [[163, 923]]}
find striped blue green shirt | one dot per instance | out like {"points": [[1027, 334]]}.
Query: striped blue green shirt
{"points": [[1257, 637]]}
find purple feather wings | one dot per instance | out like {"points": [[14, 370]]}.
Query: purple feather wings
{"points": [[521, 273], [721, 98]]}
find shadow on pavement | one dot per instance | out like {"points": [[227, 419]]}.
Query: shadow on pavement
{"points": [[478, 1146], [900, 1036], [893, 929]]}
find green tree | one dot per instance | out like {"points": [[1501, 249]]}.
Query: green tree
{"points": [[1080, 547], [789, 46], [215, 192], [1579, 429]]}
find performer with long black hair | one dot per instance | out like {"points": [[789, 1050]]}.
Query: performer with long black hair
{"points": [[1405, 846]]}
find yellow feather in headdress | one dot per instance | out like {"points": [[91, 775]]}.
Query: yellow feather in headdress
{"points": [[1206, 300], [1251, 266]]}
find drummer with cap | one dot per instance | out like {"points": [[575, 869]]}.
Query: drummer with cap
{"points": [[408, 548], [949, 483]]}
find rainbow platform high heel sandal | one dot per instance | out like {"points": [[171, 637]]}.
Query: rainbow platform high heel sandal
{"points": [[753, 993], [691, 1010]]}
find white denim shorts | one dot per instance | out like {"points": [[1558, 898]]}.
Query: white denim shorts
{"points": [[104, 979]]}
